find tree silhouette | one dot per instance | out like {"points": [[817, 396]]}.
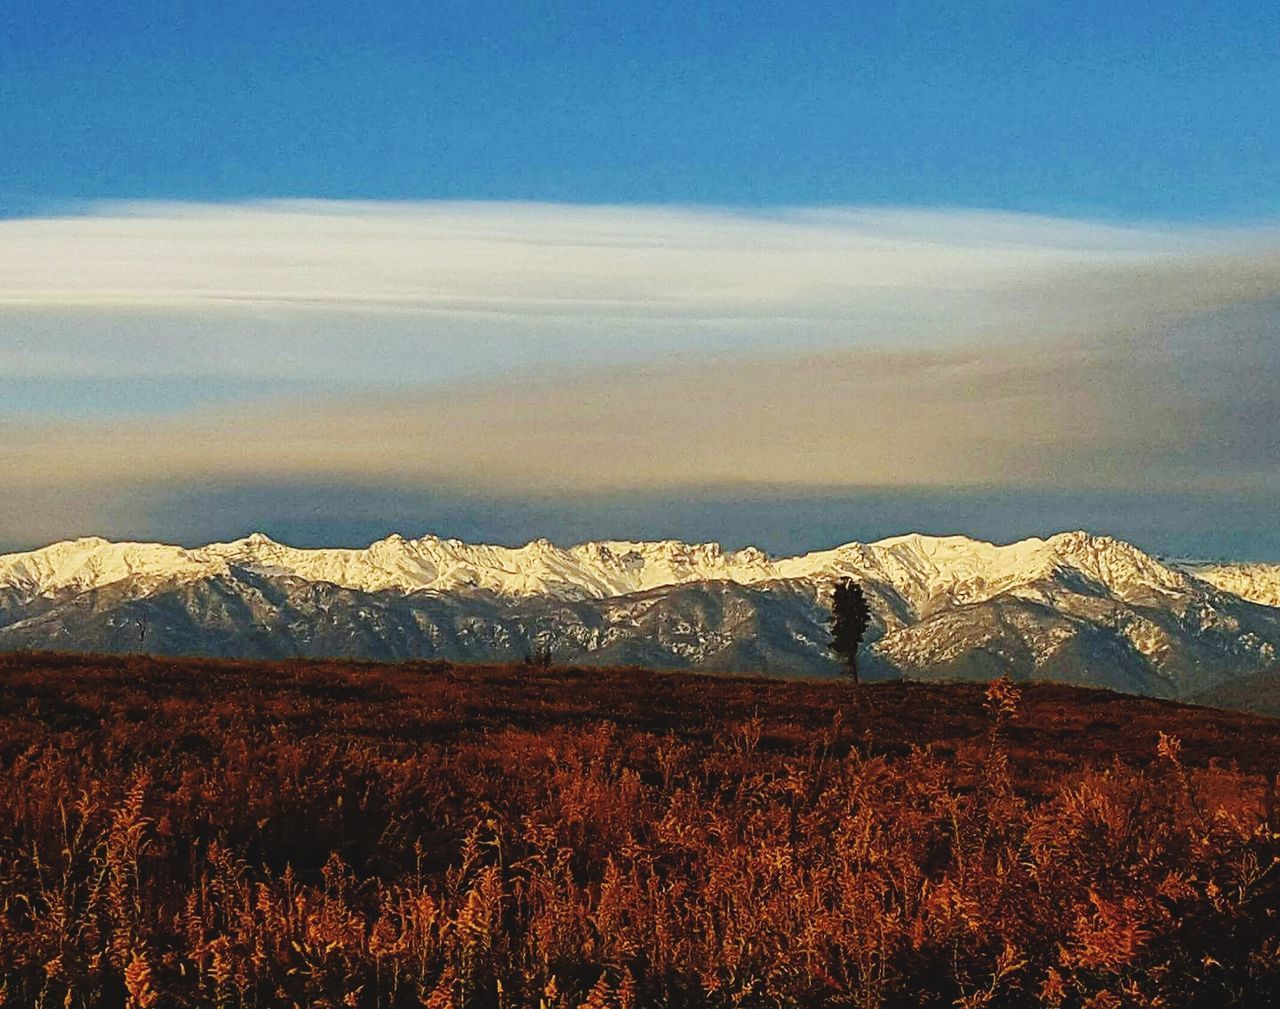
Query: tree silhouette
{"points": [[849, 619]]}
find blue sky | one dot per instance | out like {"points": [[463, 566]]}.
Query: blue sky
{"points": [[859, 268], [1097, 109]]}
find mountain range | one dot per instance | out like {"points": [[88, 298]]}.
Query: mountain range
{"points": [[1074, 607]]}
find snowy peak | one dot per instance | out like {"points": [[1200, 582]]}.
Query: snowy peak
{"points": [[1259, 583], [1117, 564], [1074, 606], [924, 571], [933, 571], [588, 570], [92, 562]]}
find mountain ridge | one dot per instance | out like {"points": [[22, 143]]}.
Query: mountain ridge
{"points": [[1256, 581], [1074, 606], [596, 568]]}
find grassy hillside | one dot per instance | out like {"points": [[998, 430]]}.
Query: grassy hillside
{"points": [[181, 833]]}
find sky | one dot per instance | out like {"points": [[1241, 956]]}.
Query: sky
{"points": [[1088, 109], [782, 274]]}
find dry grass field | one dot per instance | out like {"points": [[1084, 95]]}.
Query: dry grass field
{"points": [[188, 833]]}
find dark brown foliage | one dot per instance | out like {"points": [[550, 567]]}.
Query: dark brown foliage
{"points": [[850, 616], [181, 833]]}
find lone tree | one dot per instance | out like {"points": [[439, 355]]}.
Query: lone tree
{"points": [[849, 618]]}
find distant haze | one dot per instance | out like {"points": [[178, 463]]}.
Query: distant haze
{"points": [[780, 521], [787, 377]]}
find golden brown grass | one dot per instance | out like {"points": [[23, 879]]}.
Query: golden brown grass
{"points": [[323, 835]]}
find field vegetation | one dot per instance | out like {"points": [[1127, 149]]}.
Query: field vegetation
{"points": [[187, 833]]}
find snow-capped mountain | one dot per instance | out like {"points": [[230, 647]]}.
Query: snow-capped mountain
{"points": [[430, 564], [1259, 583], [1074, 606], [924, 569]]}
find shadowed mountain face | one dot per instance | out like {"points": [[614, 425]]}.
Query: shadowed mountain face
{"points": [[1073, 608], [713, 625], [1259, 693]]}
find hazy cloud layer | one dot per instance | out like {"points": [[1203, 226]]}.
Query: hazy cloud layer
{"points": [[1196, 408], [785, 521], [347, 293], [654, 349]]}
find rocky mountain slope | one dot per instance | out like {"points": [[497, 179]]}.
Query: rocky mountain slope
{"points": [[1258, 693], [1073, 607], [1259, 583]]}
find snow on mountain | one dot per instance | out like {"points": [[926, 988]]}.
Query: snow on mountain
{"points": [[931, 572], [925, 571], [539, 568], [1074, 606], [1259, 583], [92, 562], [589, 570]]}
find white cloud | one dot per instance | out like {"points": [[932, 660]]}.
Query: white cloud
{"points": [[368, 293], [1195, 410], [657, 348]]}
